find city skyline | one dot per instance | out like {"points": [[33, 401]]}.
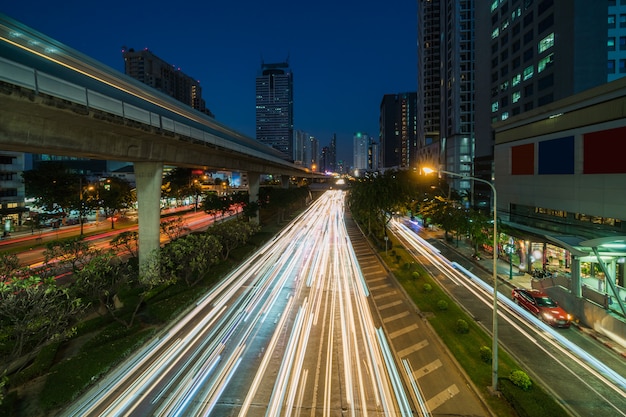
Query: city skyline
{"points": [[345, 56]]}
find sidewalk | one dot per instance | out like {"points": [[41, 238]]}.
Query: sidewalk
{"points": [[519, 280], [516, 279]]}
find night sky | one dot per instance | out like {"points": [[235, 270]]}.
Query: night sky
{"points": [[344, 54]]}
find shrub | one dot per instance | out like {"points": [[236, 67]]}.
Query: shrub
{"points": [[520, 379], [461, 326], [485, 354], [427, 288], [415, 275], [442, 305]]}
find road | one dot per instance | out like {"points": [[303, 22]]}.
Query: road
{"points": [[97, 234], [587, 378], [288, 333]]}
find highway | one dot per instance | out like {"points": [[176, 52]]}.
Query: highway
{"points": [[585, 377], [290, 332]]}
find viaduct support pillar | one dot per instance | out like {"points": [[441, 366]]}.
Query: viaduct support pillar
{"points": [[254, 181], [148, 177]]}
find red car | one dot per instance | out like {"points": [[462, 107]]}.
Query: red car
{"points": [[542, 306]]}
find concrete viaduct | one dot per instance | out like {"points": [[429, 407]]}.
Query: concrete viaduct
{"points": [[55, 100]]}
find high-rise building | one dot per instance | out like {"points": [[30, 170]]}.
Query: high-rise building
{"points": [[365, 154], [148, 68], [535, 53], [274, 107], [398, 130], [616, 42], [446, 85], [428, 82], [539, 52], [300, 143], [332, 154]]}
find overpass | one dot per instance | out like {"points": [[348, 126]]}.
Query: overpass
{"points": [[56, 100]]}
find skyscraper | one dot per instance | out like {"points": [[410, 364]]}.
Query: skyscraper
{"points": [[446, 85], [398, 130], [428, 81], [274, 107], [148, 68], [365, 154]]}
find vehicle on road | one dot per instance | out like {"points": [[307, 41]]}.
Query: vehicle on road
{"points": [[542, 306]]}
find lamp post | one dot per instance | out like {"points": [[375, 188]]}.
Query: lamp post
{"points": [[81, 208], [510, 250], [494, 350]]}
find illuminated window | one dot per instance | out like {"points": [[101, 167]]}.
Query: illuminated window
{"points": [[610, 43], [546, 43], [545, 63], [516, 96], [505, 115], [494, 107], [528, 72], [494, 5], [495, 33], [516, 80]]}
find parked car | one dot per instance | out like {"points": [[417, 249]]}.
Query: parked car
{"points": [[542, 306]]}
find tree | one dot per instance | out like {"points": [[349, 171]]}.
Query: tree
{"points": [[191, 257], [180, 183], [115, 194], [478, 229], [232, 234], [212, 204], [85, 201], [174, 227], [33, 312], [9, 265], [63, 255], [374, 198], [101, 281], [127, 242], [53, 187]]}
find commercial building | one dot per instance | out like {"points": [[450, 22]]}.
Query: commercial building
{"points": [[560, 178], [12, 208], [274, 107]]}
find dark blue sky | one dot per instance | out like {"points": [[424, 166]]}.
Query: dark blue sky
{"points": [[345, 54]]}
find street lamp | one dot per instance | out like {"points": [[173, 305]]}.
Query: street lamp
{"points": [[510, 250], [494, 361]]}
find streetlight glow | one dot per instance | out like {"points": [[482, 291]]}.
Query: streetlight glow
{"points": [[494, 360]]}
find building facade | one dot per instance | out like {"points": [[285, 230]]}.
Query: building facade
{"points": [[12, 208], [446, 86], [398, 130], [560, 178], [616, 42], [148, 68], [274, 107], [365, 154], [428, 82]]}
